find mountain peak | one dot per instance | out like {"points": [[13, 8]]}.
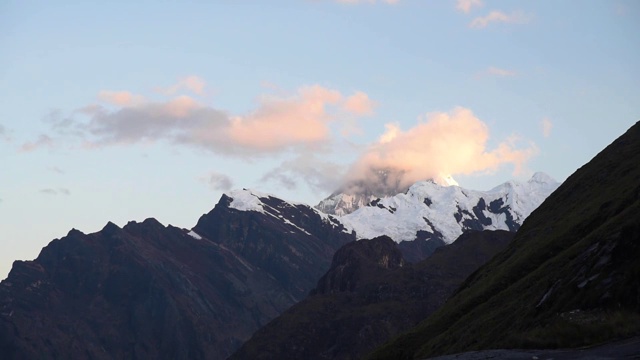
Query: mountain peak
{"points": [[246, 200], [445, 180], [542, 178]]}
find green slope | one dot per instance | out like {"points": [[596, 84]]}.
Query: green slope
{"points": [[571, 277]]}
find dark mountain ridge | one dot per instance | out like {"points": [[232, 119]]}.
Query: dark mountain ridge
{"points": [[369, 295], [150, 291], [571, 277]]}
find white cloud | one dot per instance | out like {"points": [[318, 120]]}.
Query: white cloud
{"points": [[440, 144], [467, 5], [500, 72], [516, 17]]}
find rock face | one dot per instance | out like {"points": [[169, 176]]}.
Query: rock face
{"points": [[150, 291], [571, 276], [369, 295]]}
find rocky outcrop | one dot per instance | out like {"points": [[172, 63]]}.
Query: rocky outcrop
{"points": [[369, 295]]}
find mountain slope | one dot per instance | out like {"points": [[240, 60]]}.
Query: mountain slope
{"points": [[369, 295], [571, 277], [150, 291]]}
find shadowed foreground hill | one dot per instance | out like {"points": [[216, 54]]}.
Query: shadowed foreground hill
{"points": [[571, 276], [369, 295]]}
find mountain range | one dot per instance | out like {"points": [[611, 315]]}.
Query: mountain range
{"points": [[300, 279], [146, 290]]}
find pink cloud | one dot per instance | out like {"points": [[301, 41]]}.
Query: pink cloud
{"points": [[516, 17], [42, 141], [180, 107], [278, 123], [467, 5], [441, 144], [500, 72], [359, 104], [120, 98], [192, 83]]}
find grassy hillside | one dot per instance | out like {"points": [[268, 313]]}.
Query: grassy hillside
{"points": [[571, 277]]}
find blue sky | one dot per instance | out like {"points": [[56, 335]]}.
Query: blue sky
{"points": [[121, 111]]}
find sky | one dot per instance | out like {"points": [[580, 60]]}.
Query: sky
{"points": [[124, 110]]}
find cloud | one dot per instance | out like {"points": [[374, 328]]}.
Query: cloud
{"points": [[220, 182], [55, 169], [190, 83], [319, 175], [359, 104], [51, 191], [547, 125], [467, 5], [516, 17], [42, 141], [390, 2], [118, 98], [278, 123], [499, 72], [440, 144], [4, 134]]}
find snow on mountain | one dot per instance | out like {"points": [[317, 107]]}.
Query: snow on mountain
{"points": [[359, 193], [342, 204], [446, 180], [447, 211], [427, 210], [290, 213]]}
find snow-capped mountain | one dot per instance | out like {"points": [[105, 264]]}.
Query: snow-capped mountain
{"points": [[357, 194], [429, 210]]}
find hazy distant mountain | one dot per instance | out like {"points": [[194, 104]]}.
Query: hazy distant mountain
{"points": [[571, 276]]}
